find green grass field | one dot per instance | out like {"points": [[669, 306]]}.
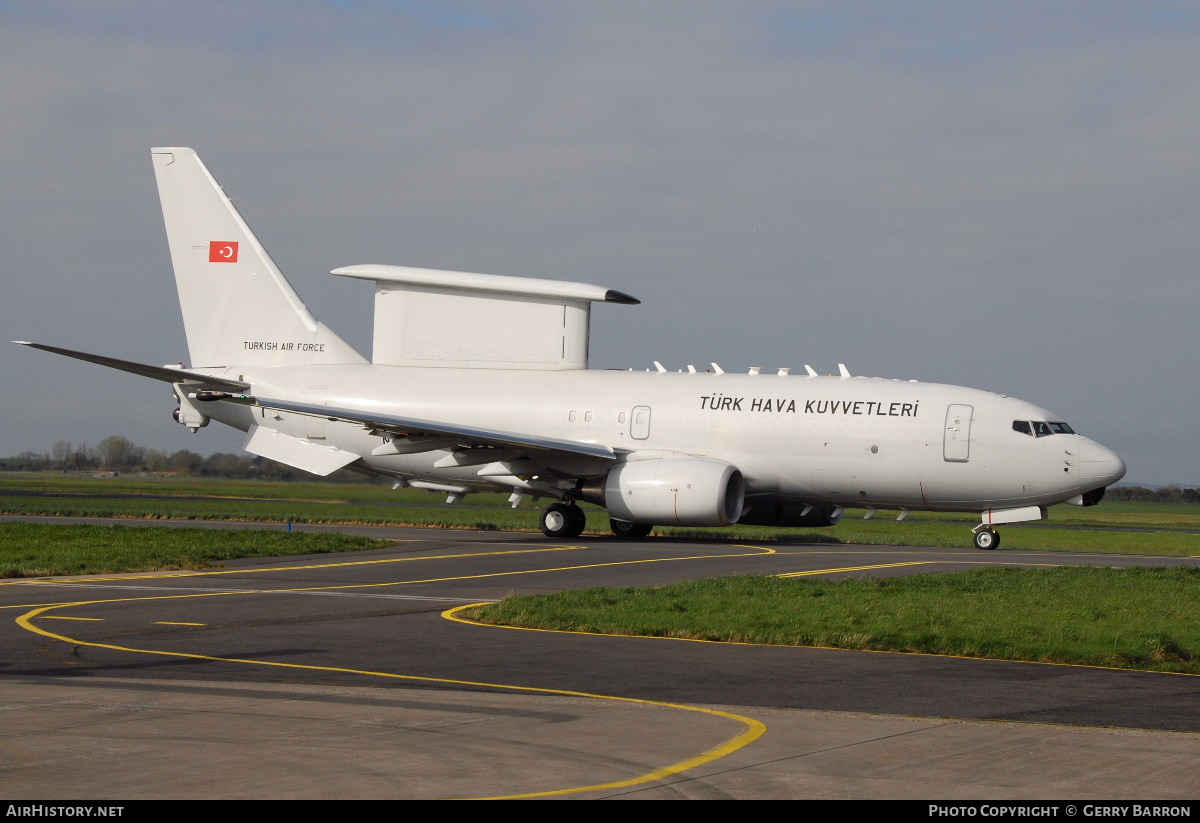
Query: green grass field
{"points": [[50, 549], [1130, 528], [1137, 618]]}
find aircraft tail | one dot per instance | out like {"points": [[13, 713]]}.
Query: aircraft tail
{"points": [[238, 310]]}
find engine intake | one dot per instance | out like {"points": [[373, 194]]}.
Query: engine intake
{"points": [[672, 491]]}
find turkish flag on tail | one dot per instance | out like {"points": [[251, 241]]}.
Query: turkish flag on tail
{"points": [[222, 251]]}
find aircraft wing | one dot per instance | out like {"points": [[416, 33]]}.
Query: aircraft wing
{"points": [[164, 373], [409, 426]]}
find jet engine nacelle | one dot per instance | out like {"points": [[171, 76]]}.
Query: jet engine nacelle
{"points": [[672, 491], [791, 515]]}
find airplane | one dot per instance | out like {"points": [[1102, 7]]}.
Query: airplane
{"points": [[481, 382]]}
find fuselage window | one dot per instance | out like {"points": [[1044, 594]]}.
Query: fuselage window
{"points": [[571, 416], [1023, 427], [587, 417]]}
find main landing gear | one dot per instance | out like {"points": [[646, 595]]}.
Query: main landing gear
{"points": [[627, 530], [563, 521], [986, 538]]}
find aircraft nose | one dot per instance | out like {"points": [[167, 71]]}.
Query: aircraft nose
{"points": [[1099, 466]]}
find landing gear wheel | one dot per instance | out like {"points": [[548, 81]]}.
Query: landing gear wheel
{"points": [[987, 539], [630, 531], [563, 521]]}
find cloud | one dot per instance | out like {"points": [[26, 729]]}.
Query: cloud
{"points": [[1002, 196]]}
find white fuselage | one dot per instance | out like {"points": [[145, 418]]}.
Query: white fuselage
{"points": [[843, 441]]}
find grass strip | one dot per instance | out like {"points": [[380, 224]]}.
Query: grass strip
{"points": [[1136, 618], [1165, 528], [920, 530], [917, 532], [45, 550]]}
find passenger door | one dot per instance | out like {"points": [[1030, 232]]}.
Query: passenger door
{"points": [[956, 448]]}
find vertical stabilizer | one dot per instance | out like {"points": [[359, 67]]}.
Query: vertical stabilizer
{"points": [[238, 310]]}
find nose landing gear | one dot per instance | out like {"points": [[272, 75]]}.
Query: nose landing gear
{"points": [[985, 533], [986, 538]]}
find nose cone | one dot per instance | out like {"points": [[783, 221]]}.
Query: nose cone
{"points": [[1099, 466]]}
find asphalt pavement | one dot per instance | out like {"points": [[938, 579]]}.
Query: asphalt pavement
{"points": [[346, 676]]}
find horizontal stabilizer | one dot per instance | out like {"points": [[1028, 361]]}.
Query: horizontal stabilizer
{"points": [[167, 374], [315, 458]]}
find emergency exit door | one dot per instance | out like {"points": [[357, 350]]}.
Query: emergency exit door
{"points": [[639, 423]]}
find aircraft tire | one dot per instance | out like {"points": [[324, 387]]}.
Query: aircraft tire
{"points": [[563, 521], [986, 539], [627, 530]]}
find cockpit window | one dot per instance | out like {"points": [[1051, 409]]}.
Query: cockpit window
{"points": [[1041, 428]]}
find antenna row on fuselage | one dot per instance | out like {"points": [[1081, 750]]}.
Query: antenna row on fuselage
{"points": [[784, 371]]}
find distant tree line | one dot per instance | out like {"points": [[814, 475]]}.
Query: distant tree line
{"points": [[1163, 494], [122, 456]]}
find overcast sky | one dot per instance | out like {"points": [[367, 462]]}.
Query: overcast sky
{"points": [[1003, 195]]}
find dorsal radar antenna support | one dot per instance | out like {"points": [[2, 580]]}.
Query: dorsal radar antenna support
{"points": [[412, 305]]}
